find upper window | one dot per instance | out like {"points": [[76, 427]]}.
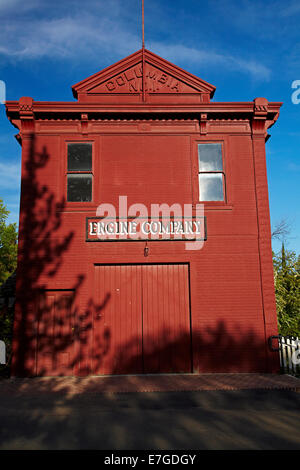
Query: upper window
{"points": [[211, 174], [80, 176]]}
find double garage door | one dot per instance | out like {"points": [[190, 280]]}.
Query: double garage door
{"points": [[141, 322]]}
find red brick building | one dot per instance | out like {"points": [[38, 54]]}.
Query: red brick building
{"points": [[145, 129]]}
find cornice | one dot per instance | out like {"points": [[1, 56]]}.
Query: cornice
{"points": [[260, 114], [57, 107]]}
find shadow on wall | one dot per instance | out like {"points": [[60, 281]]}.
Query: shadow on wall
{"points": [[217, 350], [53, 337], [41, 251]]}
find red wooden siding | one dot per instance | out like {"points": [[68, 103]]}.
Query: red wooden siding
{"points": [[55, 333], [132, 311], [118, 325], [166, 318], [143, 325]]}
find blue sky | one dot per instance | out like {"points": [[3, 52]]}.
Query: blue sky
{"points": [[246, 48]]}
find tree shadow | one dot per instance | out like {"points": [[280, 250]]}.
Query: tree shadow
{"points": [[47, 322], [54, 334], [83, 413], [216, 350]]}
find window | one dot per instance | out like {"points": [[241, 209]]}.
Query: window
{"points": [[80, 176], [211, 174]]}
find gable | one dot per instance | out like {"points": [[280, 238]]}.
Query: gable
{"points": [[123, 81]]}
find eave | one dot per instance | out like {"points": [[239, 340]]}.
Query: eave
{"points": [[61, 107]]}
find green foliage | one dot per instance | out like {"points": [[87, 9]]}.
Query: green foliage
{"points": [[8, 245], [287, 289], [8, 264]]}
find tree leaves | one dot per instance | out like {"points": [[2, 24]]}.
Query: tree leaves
{"points": [[8, 245], [287, 290]]}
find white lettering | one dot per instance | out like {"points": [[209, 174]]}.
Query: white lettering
{"points": [[197, 225], [144, 228]]}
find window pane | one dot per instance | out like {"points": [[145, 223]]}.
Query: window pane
{"points": [[211, 187], [210, 157], [80, 157], [79, 188]]}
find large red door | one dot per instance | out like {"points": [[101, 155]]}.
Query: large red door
{"points": [[166, 318], [142, 321], [117, 332], [55, 333]]}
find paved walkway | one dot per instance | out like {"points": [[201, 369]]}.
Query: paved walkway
{"points": [[216, 411], [148, 383]]}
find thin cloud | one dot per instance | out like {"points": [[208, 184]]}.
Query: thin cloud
{"points": [[291, 9], [10, 174], [87, 37], [69, 37], [208, 57], [17, 6], [294, 166]]}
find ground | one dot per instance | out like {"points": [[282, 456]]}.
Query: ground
{"points": [[217, 411]]}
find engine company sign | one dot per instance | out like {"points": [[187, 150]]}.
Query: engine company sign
{"points": [[100, 229]]}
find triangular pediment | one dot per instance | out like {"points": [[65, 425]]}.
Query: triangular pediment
{"points": [[143, 74]]}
